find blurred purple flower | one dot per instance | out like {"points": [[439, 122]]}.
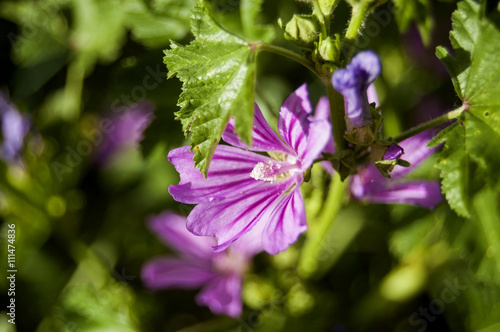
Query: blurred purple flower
{"points": [[371, 186], [15, 126], [197, 265], [353, 82], [126, 130], [244, 188]]}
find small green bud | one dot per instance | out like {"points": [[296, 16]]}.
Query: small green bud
{"points": [[327, 6], [329, 49], [302, 29]]}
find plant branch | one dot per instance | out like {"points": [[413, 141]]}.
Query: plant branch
{"points": [[359, 13], [286, 53], [319, 232], [337, 115], [432, 123]]}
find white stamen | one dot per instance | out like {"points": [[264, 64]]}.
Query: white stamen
{"points": [[267, 171]]}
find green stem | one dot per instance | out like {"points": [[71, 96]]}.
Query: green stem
{"points": [[319, 232], [286, 53], [359, 13], [321, 18], [337, 113], [432, 123]]}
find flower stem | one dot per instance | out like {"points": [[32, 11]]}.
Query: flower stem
{"points": [[359, 13], [432, 123], [337, 114], [318, 234], [323, 21], [286, 53]]}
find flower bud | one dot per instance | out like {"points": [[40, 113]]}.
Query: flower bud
{"points": [[329, 49], [302, 29]]}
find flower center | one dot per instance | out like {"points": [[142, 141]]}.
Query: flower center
{"points": [[271, 171], [230, 261]]}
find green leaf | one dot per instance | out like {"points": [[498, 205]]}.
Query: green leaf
{"points": [[453, 164], [418, 11], [218, 73], [474, 70]]}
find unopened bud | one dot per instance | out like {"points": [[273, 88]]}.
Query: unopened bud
{"points": [[302, 29], [329, 49]]}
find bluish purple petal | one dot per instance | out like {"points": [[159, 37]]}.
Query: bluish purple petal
{"points": [[228, 220], [171, 229], [367, 63], [372, 95], [166, 272], [264, 139], [353, 82], [15, 126], [222, 295], [426, 194], [286, 223], [228, 175], [293, 122]]}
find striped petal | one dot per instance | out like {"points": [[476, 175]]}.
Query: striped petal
{"points": [[293, 123], [228, 175], [264, 139], [228, 220], [286, 222]]}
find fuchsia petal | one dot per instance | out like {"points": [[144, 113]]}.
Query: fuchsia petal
{"points": [[229, 174], [293, 123], [171, 229], [319, 136], [264, 139], [416, 151], [426, 194], [286, 223], [222, 295], [228, 220], [322, 112], [161, 273], [250, 244]]}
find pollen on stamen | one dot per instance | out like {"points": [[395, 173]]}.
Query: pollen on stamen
{"points": [[267, 171]]}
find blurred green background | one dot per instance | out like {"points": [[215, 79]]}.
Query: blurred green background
{"points": [[80, 233]]}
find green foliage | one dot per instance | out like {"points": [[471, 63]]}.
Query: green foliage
{"points": [[418, 11], [218, 73], [476, 42]]}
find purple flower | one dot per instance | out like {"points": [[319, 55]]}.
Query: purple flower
{"points": [[244, 188], [126, 130], [14, 127], [197, 265], [369, 185], [393, 152], [353, 82]]}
